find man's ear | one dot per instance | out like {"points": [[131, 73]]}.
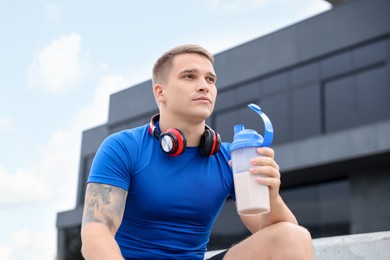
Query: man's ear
{"points": [[158, 92]]}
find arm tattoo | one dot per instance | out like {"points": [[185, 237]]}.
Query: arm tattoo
{"points": [[104, 204]]}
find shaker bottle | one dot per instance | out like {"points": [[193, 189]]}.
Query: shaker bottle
{"points": [[251, 197]]}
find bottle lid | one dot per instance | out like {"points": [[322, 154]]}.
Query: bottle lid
{"points": [[250, 138], [245, 138]]}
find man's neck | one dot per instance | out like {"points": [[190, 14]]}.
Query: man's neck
{"points": [[192, 130]]}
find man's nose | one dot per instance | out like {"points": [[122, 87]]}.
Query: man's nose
{"points": [[203, 85]]}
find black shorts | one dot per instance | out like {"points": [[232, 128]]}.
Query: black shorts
{"points": [[218, 256]]}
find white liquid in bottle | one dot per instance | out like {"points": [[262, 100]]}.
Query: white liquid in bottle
{"points": [[251, 197]]}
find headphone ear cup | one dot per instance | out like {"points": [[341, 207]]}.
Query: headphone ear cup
{"points": [[210, 143], [173, 142]]}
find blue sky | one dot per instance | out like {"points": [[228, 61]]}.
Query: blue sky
{"points": [[60, 61]]}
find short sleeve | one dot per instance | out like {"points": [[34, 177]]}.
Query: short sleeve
{"points": [[112, 162]]}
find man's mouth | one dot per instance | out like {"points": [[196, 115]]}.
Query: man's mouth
{"points": [[202, 99]]}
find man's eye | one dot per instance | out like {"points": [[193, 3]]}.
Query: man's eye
{"points": [[188, 76], [210, 79]]}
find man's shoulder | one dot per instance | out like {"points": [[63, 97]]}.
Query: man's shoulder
{"points": [[135, 132], [224, 151], [126, 139], [225, 147]]}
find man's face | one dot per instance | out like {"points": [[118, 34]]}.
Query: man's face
{"points": [[190, 90]]}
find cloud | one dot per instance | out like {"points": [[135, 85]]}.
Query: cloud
{"points": [[96, 113], [60, 159], [5, 123], [54, 175], [22, 186], [49, 185], [27, 244], [5, 252], [58, 66]]}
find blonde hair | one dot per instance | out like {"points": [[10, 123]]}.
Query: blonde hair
{"points": [[164, 63]]}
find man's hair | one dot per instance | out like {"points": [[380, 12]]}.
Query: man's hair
{"points": [[164, 63]]}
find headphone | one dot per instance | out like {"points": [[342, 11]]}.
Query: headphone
{"points": [[173, 141]]}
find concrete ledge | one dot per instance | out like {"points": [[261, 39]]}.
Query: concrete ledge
{"points": [[362, 246], [366, 246]]}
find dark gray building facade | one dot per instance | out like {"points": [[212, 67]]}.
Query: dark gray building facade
{"points": [[325, 85]]}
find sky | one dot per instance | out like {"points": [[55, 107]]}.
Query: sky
{"points": [[59, 63]]}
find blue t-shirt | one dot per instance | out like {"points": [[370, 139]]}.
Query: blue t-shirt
{"points": [[172, 202]]}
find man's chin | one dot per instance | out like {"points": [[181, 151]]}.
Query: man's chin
{"points": [[202, 114]]}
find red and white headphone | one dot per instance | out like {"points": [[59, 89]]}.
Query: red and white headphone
{"points": [[173, 141]]}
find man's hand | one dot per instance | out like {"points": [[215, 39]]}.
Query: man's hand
{"points": [[268, 173], [266, 166]]}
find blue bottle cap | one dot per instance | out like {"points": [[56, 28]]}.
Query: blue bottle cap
{"points": [[250, 138], [245, 138]]}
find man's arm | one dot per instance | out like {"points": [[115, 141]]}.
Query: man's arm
{"points": [[103, 212], [279, 213], [266, 166]]}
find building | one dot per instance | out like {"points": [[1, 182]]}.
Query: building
{"points": [[325, 84]]}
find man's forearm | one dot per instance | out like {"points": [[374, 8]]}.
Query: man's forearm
{"points": [[279, 213], [98, 243]]}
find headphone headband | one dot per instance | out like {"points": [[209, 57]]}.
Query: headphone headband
{"points": [[153, 130]]}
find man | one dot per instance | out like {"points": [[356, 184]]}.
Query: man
{"points": [[155, 191]]}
